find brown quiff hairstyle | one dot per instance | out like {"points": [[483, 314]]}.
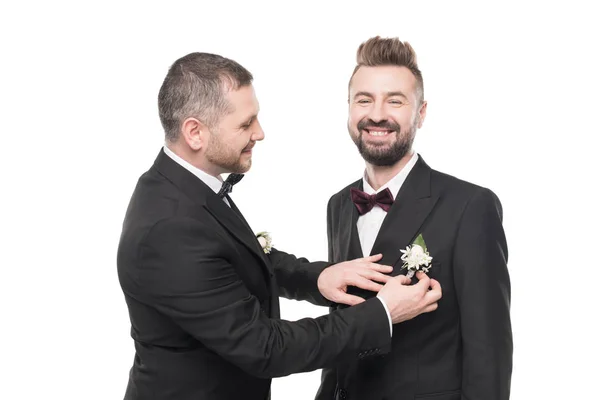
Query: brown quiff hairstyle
{"points": [[379, 51]]}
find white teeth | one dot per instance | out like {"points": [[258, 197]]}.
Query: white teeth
{"points": [[378, 133]]}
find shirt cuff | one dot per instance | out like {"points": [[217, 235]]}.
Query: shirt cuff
{"points": [[388, 314]]}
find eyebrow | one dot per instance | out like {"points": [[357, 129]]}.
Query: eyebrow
{"points": [[358, 94], [388, 94], [248, 120]]}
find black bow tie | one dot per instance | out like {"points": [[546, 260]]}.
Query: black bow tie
{"points": [[231, 180]]}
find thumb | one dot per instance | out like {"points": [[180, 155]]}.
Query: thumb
{"points": [[424, 281]]}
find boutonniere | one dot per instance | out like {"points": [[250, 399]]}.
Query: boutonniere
{"points": [[265, 240], [416, 258]]}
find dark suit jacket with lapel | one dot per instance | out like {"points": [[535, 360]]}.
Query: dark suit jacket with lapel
{"points": [[463, 350], [203, 299]]}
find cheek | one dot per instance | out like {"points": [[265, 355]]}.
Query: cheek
{"points": [[240, 143], [403, 118], [355, 116]]}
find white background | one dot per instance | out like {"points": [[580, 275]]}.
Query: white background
{"points": [[512, 91]]}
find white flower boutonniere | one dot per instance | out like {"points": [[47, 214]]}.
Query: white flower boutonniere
{"points": [[416, 258], [265, 240]]}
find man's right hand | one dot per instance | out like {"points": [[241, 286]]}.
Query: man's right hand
{"points": [[407, 301]]}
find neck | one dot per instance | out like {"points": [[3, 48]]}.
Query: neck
{"points": [[194, 158], [377, 176]]}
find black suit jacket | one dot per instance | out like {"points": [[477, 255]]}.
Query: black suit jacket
{"points": [[463, 350], [203, 299]]}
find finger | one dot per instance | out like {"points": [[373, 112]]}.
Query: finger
{"points": [[345, 298], [377, 276], [373, 258], [420, 274], [431, 307], [436, 289], [380, 267], [424, 281], [432, 296], [405, 280], [367, 284], [435, 285]]}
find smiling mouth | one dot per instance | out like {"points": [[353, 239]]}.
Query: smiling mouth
{"points": [[377, 131]]}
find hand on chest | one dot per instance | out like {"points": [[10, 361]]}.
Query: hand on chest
{"points": [[404, 246]]}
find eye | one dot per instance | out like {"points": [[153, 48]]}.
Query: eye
{"points": [[247, 125], [363, 101], [394, 101]]}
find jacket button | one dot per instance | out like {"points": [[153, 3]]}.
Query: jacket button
{"points": [[343, 394]]}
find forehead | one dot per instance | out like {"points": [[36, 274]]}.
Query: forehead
{"points": [[383, 79], [243, 101]]}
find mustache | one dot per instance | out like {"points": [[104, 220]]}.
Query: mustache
{"points": [[249, 146], [385, 124]]}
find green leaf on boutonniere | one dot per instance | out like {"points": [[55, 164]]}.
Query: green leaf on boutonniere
{"points": [[421, 242]]}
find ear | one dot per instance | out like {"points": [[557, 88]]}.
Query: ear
{"points": [[195, 133], [422, 113]]}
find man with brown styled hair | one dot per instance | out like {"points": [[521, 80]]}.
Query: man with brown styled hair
{"points": [[463, 350]]}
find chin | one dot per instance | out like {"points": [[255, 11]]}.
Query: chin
{"points": [[377, 149], [243, 167]]}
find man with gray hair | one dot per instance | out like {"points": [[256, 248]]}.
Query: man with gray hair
{"points": [[202, 293]]}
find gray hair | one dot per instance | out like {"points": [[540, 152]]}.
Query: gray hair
{"points": [[195, 86]]}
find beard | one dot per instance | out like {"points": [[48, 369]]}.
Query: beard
{"points": [[225, 157], [384, 155]]}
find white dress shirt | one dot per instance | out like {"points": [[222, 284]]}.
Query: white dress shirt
{"points": [[368, 224], [212, 182]]}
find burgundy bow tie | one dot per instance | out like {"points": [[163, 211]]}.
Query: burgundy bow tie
{"points": [[365, 202]]}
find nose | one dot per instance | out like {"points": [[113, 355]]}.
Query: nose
{"points": [[258, 133], [377, 113]]}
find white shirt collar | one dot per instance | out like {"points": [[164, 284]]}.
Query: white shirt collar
{"points": [[211, 181], [396, 182]]}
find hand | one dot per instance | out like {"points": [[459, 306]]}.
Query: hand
{"points": [[407, 301], [362, 272]]}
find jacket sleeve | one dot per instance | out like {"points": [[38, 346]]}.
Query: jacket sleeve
{"points": [[185, 272], [483, 291], [297, 277], [328, 375]]}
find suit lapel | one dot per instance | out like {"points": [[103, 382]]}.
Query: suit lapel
{"points": [[237, 227], [349, 241], [254, 241], [204, 196], [274, 310], [406, 216]]}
